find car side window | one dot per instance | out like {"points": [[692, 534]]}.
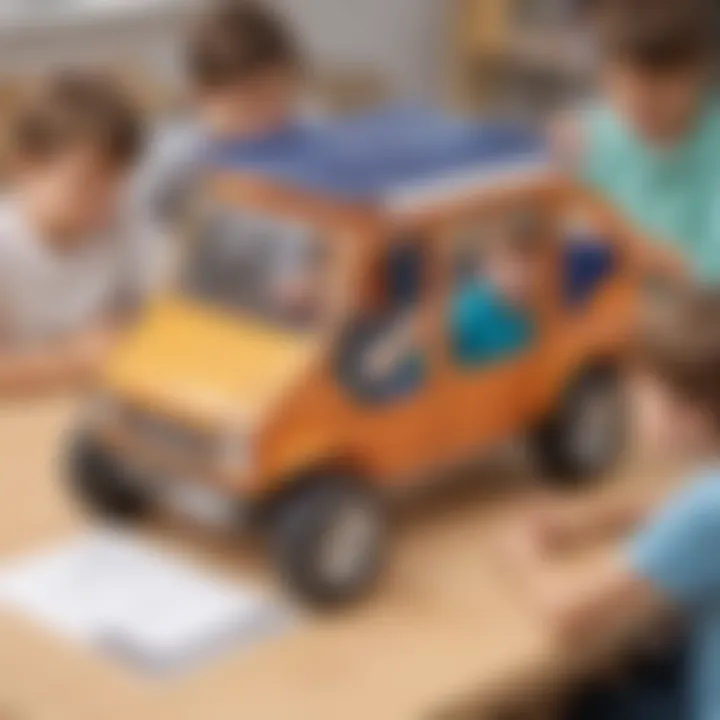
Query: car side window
{"points": [[382, 355], [271, 268], [404, 276], [497, 266], [589, 260]]}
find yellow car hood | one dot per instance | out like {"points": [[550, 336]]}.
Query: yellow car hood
{"points": [[205, 364]]}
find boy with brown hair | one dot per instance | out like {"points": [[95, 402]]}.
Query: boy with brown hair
{"points": [[71, 264], [671, 564], [244, 69], [652, 144]]}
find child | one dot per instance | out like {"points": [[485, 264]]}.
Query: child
{"points": [[653, 145], [71, 267], [244, 70], [490, 312], [490, 308], [671, 563]]}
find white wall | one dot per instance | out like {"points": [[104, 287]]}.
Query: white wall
{"points": [[401, 38]]}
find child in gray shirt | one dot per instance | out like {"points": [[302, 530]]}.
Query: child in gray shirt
{"points": [[244, 69], [72, 263]]}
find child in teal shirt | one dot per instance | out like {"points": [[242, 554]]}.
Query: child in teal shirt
{"points": [[669, 565], [653, 146]]}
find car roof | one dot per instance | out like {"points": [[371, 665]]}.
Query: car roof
{"points": [[390, 156]]}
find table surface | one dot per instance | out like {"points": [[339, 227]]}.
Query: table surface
{"points": [[445, 624]]}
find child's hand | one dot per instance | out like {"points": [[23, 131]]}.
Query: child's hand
{"points": [[518, 547], [67, 362], [91, 348], [525, 560], [541, 532], [555, 525]]}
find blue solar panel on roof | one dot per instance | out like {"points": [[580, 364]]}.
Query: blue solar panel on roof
{"points": [[370, 155]]}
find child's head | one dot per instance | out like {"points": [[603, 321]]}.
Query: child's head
{"points": [[657, 62], [75, 142], [244, 68], [677, 388], [512, 257]]}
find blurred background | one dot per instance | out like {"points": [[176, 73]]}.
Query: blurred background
{"points": [[491, 55]]}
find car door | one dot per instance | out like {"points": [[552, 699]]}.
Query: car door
{"points": [[488, 399], [392, 421]]}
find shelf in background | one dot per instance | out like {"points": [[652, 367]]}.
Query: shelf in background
{"points": [[507, 55]]}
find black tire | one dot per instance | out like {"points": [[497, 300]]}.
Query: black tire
{"points": [[102, 486], [573, 446], [307, 527]]}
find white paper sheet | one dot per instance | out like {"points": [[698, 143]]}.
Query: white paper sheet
{"points": [[141, 604]]}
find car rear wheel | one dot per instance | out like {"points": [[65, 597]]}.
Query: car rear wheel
{"points": [[102, 485], [329, 541], [586, 435]]}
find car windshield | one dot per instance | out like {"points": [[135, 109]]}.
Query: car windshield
{"points": [[269, 267]]}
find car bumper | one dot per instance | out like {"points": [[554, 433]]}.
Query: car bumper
{"points": [[182, 485]]}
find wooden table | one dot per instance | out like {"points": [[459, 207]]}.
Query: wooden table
{"points": [[443, 627]]}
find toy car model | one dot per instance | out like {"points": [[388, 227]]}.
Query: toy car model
{"points": [[224, 393]]}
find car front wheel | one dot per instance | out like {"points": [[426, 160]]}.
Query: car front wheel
{"points": [[586, 434], [329, 541], [102, 485]]}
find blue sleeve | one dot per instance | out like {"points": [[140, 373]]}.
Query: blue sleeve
{"points": [[679, 552]]}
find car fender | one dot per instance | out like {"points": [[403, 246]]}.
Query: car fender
{"points": [[306, 457]]}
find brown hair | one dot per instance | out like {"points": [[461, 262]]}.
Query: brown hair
{"points": [[235, 40], [79, 109], [656, 35], [681, 346]]}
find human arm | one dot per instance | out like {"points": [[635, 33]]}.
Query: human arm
{"points": [[596, 606], [56, 365], [561, 522], [658, 262], [566, 136], [670, 563], [588, 144]]}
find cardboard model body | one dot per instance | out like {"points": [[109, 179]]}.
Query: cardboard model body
{"points": [[271, 405]]}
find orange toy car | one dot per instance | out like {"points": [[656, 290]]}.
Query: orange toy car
{"points": [[244, 392]]}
